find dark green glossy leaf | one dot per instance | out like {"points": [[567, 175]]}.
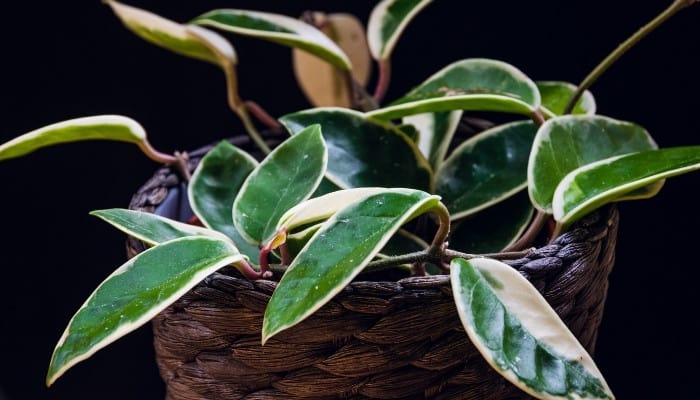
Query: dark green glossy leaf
{"points": [[493, 228], [565, 143], [213, 187], [556, 96], [403, 242], [591, 186], [101, 127], [520, 335], [471, 84], [358, 149], [134, 293], [435, 134], [486, 169], [276, 28], [387, 21], [286, 177], [339, 251]]}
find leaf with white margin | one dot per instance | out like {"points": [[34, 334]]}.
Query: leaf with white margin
{"points": [[152, 229], [286, 177], [187, 40], [338, 252], [323, 207], [591, 186], [99, 127], [556, 95], [358, 148], [519, 334], [568, 142], [135, 293], [213, 187], [387, 21], [435, 132], [486, 169], [322, 83], [475, 84], [276, 28]]}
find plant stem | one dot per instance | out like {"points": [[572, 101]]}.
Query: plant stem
{"points": [[242, 112], [239, 108], [154, 154], [382, 80], [447, 255], [359, 98], [262, 115], [437, 247], [530, 234], [676, 6]]}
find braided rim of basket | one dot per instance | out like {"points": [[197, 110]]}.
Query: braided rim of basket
{"points": [[376, 339]]}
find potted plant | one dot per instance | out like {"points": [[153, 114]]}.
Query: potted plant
{"points": [[292, 226]]}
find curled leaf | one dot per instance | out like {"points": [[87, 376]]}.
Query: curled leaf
{"points": [[101, 127], [276, 28], [190, 41]]}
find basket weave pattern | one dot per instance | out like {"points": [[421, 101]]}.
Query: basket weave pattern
{"points": [[376, 340]]}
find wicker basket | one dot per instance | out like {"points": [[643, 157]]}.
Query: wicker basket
{"points": [[388, 339]]}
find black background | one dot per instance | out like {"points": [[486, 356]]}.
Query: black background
{"points": [[62, 60]]}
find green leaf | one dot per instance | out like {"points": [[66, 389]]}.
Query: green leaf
{"points": [[486, 169], [276, 28], [358, 148], [494, 228], [591, 186], [556, 96], [100, 127], [339, 251], [565, 143], [435, 133], [134, 293], [187, 40], [214, 186], [403, 242], [472, 84], [152, 229], [520, 335], [387, 21], [286, 177]]}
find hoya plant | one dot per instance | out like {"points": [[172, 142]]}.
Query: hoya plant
{"points": [[344, 191]]}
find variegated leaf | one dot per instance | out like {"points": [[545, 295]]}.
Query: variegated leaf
{"points": [[324, 267], [100, 127], [286, 177], [387, 21], [134, 293], [473, 84], [276, 28], [593, 185], [565, 143], [519, 335]]}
